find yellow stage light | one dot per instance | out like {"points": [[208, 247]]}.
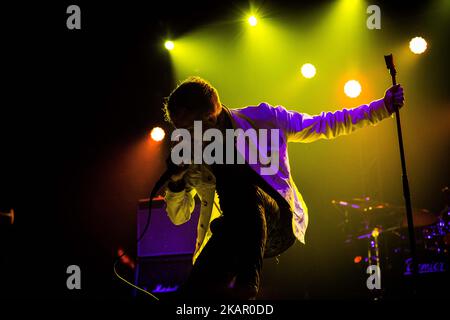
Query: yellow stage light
{"points": [[252, 21], [169, 45], [418, 45], [352, 88], [308, 70]]}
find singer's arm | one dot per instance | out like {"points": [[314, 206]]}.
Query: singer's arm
{"points": [[301, 127]]}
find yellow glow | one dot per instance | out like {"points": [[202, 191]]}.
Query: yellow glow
{"points": [[375, 232], [308, 70], [157, 134], [265, 63], [252, 21], [169, 45], [352, 88], [418, 45]]}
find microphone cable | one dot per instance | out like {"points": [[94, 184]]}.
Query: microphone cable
{"points": [[171, 168]]}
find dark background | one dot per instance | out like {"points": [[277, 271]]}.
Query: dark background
{"points": [[73, 103]]}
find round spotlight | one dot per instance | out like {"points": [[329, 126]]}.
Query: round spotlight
{"points": [[308, 70], [169, 45], [157, 134], [418, 45], [352, 88], [252, 21]]}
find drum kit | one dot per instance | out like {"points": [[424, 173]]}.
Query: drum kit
{"points": [[376, 233], [363, 215]]}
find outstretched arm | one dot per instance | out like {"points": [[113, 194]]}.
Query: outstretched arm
{"points": [[301, 127]]}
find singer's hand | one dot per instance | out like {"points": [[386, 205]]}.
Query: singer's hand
{"points": [[394, 98]]}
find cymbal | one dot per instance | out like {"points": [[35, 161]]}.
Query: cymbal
{"points": [[383, 213], [421, 217], [361, 204]]}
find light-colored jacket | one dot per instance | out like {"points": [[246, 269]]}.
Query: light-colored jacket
{"points": [[293, 127]]}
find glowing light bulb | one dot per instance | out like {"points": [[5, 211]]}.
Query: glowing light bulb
{"points": [[308, 70], [169, 45], [352, 88], [252, 21], [418, 45], [157, 134]]}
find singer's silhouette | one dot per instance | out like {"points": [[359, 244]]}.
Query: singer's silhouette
{"points": [[246, 216]]}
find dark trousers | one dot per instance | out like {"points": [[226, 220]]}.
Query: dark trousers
{"points": [[229, 267]]}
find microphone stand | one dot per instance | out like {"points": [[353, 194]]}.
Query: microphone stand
{"points": [[406, 193]]}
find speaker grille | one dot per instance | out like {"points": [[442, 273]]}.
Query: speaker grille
{"points": [[162, 236]]}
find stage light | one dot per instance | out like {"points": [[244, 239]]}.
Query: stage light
{"points": [[169, 45], [352, 88], [157, 134], [252, 21], [375, 232], [308, 70], [357, 259], [418, 45]]}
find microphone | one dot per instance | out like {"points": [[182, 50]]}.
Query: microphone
{"points": [[389, 60], [171, 169]]}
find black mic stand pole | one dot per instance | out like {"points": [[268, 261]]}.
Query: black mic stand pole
{"points": [[406, 194]]}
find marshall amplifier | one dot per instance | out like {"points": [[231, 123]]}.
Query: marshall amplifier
{"points": [[164, 255]]}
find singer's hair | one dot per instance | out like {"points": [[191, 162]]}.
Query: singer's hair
{"points": [[191, 99]]}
